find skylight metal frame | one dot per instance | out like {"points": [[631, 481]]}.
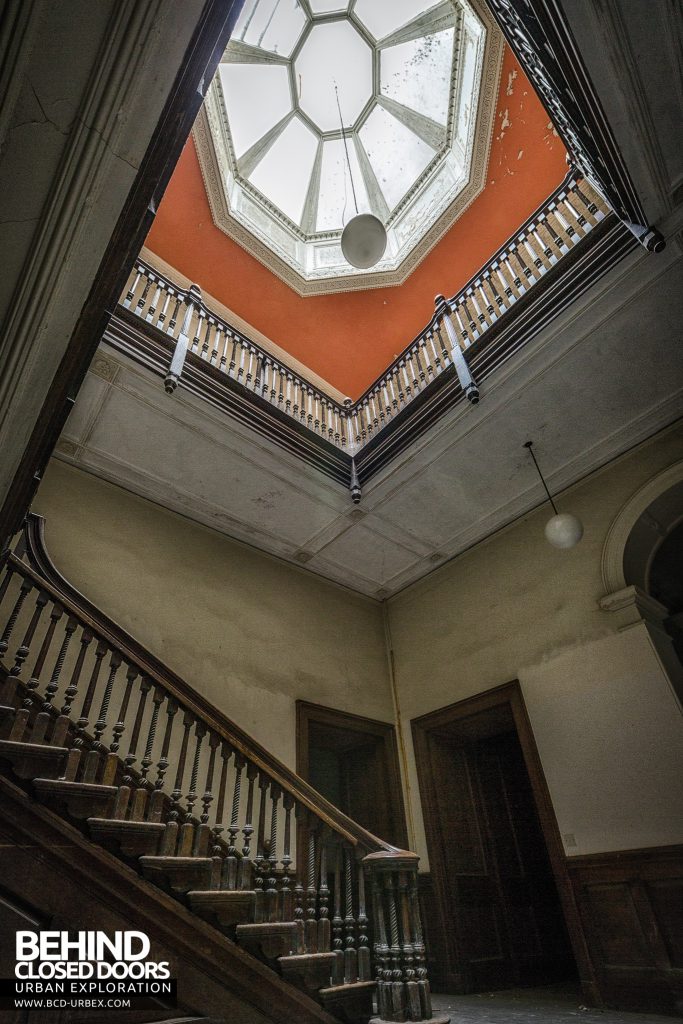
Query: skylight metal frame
{"points": [[400, 260]]}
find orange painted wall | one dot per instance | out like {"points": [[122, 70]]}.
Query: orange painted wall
{"points": [[350, 338]]}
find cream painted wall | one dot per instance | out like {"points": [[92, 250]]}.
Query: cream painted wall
{"points": [[248, 631], [606, 721], [254, 634]]}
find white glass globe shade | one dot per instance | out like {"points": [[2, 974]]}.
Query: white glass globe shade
{"points": [[564, 530], [363, 241]]}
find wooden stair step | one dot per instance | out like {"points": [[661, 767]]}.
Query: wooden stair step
{"points": [[132, 838], [351, 1004], [181, 874], [224, 908], [33, 760], [271, 939], [81, 799], [308, 971]]}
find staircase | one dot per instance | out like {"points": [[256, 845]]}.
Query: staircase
{"points": [[116, 754]]}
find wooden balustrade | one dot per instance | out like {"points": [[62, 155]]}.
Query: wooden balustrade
{"points": [[180, 783], [457, 324]]}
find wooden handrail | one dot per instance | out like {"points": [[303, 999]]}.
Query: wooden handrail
{"points": [[44, 574]]}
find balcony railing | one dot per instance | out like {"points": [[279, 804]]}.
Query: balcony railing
{"points": [[459, 327]]}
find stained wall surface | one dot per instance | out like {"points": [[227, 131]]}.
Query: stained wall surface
{"points": [[249, 632], [605, 718]]}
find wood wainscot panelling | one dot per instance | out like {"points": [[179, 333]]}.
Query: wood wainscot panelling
{"points": [[631, 906], [434, 933]]}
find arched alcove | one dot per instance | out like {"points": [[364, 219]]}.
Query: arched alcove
{"points": [[642, 567]]}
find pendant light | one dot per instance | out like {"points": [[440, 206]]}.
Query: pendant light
{"points": [[563, 530], [364, 239]]}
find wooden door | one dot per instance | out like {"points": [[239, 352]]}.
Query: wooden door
{"points": [[503, 921]]}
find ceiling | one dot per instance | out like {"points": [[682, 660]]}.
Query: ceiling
{"points": [[572, 389], [349, 339], [414, 86]]}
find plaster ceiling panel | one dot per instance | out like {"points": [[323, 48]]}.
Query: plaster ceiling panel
{"points": [[136, 434], [92, 395], [369, 554]]}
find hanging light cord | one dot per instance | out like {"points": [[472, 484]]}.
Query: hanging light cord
{"points": [[346, 147], [529, 446]]}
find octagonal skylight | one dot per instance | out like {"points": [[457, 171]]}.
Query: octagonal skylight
{"points": [[403, 77]]}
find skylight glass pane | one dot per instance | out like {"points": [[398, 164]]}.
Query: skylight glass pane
{"points": [[333, 53], [327, 6], [384, 16], [273, 25], [418, 74], [396, 154], [256, 97], [285, 171], [335, 203]]}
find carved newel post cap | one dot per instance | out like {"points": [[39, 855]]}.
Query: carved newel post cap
{"points": [[195, 293]]}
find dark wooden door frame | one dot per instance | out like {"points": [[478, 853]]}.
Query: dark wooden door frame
{"points": [[307, 713], [509, 694]]}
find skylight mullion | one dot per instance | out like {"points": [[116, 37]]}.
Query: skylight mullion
{"points": [[437, 19], [310, 211], [431, 132], [242, 53], [250, 160], [379, 205]]}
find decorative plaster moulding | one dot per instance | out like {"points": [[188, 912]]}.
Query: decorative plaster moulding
{"points": [[438, 197]]}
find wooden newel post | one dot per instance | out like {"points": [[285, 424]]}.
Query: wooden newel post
{"points": [[402, 985], [193, 299], [466, 379]]}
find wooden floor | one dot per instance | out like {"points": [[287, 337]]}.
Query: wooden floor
{"points": [[554, 1005]]}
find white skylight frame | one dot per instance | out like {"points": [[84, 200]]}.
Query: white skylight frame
{"points": [[311, 261]]}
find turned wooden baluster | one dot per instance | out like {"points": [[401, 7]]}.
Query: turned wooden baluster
{"points": [[187, 830], [287, 900], [168, 845], [412, 994], [142, 792], [231, 866], [163, 762], [323, 897], [259, 880], [47, 712], [424, 993], [350, 955], [311, 890], [299, 912], [128, 781], [120, 724], [22, 715], [248, 829], [83, 719], [23, 651], [272, 901], [337, 920], [217, 830], [381, 951], [398, 995], [364, 968], [201, 847], [24, 590], [63, 723], [94, 755]]}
